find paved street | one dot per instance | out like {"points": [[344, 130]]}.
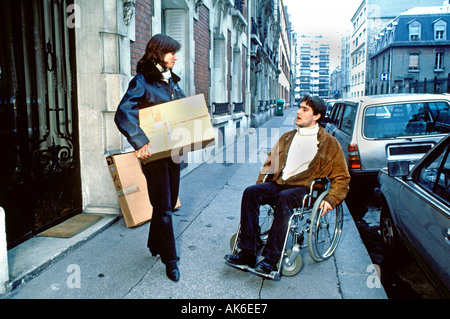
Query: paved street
{"points": [[117, 264]]}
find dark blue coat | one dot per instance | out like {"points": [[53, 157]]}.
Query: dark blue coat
{"points": [[144, 91]]}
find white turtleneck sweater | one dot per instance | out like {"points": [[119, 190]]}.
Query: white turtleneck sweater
{"points": [[302, 151]]}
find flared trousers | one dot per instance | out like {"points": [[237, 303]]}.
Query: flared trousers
{"points": [[163, 181]]}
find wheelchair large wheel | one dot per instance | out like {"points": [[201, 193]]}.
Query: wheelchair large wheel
{"points": [[325, 231], [265, 223]]}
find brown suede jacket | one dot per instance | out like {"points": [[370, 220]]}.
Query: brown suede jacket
{"points": [[329, 162]]}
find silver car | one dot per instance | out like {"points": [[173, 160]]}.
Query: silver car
{"points": [[416, 212], [373, 130]]}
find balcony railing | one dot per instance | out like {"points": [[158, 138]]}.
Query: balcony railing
{"points": [[238, 107], [239, 5], [221, 108], [225, 108], [266, 105]]}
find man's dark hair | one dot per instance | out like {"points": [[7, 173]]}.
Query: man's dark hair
{"points": [[317, 104], [158, 46]]}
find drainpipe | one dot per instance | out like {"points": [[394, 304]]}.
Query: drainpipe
{"points": [[4, 276]]}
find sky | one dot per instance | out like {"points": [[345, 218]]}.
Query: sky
{"points": [[330, 18]]}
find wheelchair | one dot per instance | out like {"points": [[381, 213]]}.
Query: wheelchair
{"points": [[322, 232]]}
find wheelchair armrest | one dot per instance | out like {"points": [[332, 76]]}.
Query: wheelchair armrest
{"points": [[268, 177], [318, 186], [321, 183]]}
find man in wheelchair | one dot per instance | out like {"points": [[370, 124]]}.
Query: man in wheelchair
{"points": [[298, 158]]}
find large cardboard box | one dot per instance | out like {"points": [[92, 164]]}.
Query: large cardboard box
{"points": [[177, 127], [131, 187]]}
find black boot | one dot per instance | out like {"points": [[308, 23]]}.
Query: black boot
{"points": [[244, 257], [154, 252], [172, 271], [265, 266]]}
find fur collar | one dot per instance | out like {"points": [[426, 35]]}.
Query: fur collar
{"points": [[152, 74]]}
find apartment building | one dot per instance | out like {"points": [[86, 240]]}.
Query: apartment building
{"points": [[369, 19], [411, 53], [313, 68]]}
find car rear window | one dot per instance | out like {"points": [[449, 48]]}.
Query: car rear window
{"points": [[406, 119]]}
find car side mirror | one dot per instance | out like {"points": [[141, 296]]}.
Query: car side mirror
{"points": [[398, 169]]}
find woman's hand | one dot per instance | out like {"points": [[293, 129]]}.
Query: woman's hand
{"points": [[144, 151]]}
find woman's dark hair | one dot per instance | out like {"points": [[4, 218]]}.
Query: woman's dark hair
{"points": [[316, 104], [158, 46]]}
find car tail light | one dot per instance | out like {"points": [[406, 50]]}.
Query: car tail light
{"points": [[353, 156]]}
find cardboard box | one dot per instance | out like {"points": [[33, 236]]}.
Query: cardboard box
{"points": [[177, 127], [131, 187]]}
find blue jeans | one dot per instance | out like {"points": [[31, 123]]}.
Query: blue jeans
{"points": [[163, 181], [285, 198]]}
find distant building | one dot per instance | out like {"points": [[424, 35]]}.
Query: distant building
{"points": [[411, 53], [345, 66], [336, 84], [284, 57], [264, 41], [313, 66], [369, 19]]}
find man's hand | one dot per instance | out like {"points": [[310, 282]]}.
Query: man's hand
{"points": [[144, 151], [326, 207]]}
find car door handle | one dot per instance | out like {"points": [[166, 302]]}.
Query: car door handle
{"points": [[446, 234]]}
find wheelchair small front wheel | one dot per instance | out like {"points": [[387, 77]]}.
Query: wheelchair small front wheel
{"points": [[233, 240], [325, 232], [289, 267]]}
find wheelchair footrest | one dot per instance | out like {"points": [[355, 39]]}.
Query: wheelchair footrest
{"points": [[274, 275]]}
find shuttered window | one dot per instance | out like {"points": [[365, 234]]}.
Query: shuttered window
{"points": [[175, 26]]}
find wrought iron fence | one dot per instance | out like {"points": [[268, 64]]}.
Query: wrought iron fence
{"points": [[238, 107], [221, 108], [436, 85]]}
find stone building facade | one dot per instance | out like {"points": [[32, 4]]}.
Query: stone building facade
{"points": [[369, 19], [411, 53]]}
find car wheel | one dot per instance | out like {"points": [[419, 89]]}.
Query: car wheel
{"points": [[389, 235], [356, 204]]}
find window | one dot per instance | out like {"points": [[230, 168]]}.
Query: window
{"points": [[175, 21], [407, 119], [413, 61], [439, 30], [435, 176], [219, 84], [439, 66], [414, 31], [348, 119], [336, 114]]}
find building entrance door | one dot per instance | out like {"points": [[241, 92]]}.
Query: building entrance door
{"points": [[40, 182]]}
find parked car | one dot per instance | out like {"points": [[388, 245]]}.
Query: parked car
{"points": [[373, 130], [329, 104], [416, 212]]}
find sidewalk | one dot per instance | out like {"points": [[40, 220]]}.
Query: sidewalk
{"points": [[112, 261]]}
